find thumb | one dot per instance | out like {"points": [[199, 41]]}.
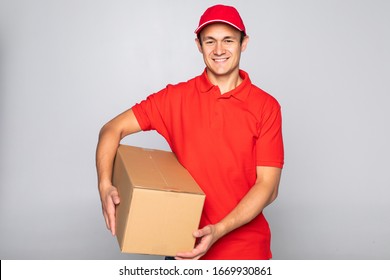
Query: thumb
{"points": [[202, 232], [115, 198]]}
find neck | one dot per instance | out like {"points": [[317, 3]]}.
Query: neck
{"points": [[225, 82]]}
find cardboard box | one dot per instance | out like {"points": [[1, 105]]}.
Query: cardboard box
{"points": [[161, 203]]}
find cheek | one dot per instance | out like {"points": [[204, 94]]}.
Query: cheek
{"points": [[207, 54], [235, 50]]}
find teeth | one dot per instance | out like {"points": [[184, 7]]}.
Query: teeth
{"points": [[220, 59]]}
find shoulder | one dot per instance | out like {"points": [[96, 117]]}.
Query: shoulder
{"points": [[257, 97], [173, 93], [177, 93], [263, 99], [191, 83]]}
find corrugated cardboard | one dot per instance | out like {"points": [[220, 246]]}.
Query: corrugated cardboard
{"points": [[161, 203]]}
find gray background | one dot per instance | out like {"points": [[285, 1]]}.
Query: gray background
{"points": [[67, 67]]}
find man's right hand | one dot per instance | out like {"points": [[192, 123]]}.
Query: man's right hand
{"points": [[110, 198]]}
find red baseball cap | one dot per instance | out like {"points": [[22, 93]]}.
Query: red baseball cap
{"points": [[221, 13]]}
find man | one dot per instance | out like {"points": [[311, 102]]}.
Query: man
{"points": [[225, 131]]}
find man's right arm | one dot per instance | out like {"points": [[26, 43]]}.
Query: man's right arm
{"points": [[109, 138]]}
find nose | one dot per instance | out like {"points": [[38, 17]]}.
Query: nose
{"points": [[219, 49]]}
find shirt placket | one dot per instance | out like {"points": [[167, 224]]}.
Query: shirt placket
{"points": [[217, 114]]}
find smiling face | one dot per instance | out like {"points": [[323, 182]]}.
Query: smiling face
{"points": [[221, 48]]}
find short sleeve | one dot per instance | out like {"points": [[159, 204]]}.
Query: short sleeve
{"points": [[269, 145], [151, 112]]}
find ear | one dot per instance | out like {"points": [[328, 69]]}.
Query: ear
{"points": [[244, 43], [198, 45]]}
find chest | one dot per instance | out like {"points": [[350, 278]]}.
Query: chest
{"points": [[225, 118]]}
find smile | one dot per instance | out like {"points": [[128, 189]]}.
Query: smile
{"points": [[220, 59]]}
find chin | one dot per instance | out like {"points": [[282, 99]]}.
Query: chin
{"points": [[221, 72]]}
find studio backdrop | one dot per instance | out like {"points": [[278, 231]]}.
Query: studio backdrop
{"points": [[67, 67]]}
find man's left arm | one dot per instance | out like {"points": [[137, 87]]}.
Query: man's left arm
{"points": [[263, 193]]}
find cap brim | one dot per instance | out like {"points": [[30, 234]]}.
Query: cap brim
{"points": [[203, 25]]}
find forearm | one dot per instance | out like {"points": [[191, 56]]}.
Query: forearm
{"points": [[263, 193], [105, 153], [109, 138]]}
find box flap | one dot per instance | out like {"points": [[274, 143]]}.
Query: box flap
{"points": [[156, 169]]}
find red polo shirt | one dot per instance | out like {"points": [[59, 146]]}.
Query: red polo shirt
{"points": [[220, 139]]}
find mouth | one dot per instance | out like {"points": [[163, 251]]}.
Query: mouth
{"points": [[220, 59]]}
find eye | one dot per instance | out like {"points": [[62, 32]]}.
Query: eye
{"points": [[209, 42]]}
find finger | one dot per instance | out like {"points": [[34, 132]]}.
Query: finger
{"points": [[112, 226], [109, 214], [106, 220], [189, 257], [116, 201], [202, 232], [111, 218], [115, 198], [194, 254], [186, 259]]}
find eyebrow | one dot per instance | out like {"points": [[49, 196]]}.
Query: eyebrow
{"points": [[212, 38]]}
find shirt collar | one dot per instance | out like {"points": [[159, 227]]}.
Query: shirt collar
{"points": [[204, 83], [241, 92]]}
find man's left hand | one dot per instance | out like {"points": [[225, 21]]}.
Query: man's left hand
{"points": [[206, 236]]}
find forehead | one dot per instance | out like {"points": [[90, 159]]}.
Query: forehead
{"points": [[216, 30]]}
